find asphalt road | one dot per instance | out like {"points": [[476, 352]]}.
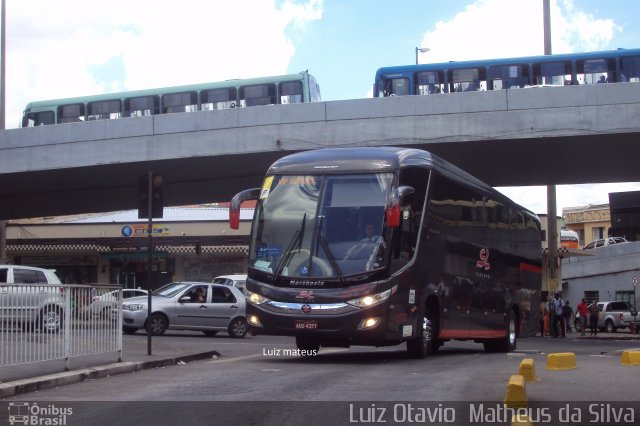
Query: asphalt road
{"points": [[258, 380]]}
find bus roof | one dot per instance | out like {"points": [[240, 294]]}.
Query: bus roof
{"points": [[376, 159]]}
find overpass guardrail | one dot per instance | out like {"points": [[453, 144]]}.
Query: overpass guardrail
{"points": [[52, 322]]}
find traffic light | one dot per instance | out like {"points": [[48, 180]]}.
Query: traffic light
{"points": [[157, 196]]}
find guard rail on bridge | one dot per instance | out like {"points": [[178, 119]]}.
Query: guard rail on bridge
{"points": [[52, 322]]}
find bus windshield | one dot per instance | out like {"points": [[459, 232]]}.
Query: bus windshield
{"points": [[321, 226]]}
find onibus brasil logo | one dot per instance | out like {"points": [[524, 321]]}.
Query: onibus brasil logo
{"points": [[30, 413]]}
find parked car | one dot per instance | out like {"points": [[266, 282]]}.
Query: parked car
{"points": [[106, 302], [605, 242], [175, 306], [237, 280], [36, 300], [612, 316]]}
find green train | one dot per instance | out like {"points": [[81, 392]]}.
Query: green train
{"points": [[283, 89]]}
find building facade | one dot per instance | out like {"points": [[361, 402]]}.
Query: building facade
{"points": [[189, 243]]}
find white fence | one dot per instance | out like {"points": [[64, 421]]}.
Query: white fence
{"points": [[48, 322]]}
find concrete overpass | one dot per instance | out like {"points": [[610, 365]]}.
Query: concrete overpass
{"points": [[536, 136]]}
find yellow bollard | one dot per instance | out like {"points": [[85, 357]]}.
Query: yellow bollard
{"points": [[561, 361], [630, 358], [516, 396], [528, 370], [520, 420]]}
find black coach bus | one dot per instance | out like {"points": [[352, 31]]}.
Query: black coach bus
{"points": [[380, 246]]}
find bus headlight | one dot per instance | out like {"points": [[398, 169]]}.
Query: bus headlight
{"points": [[256, 298], [372, 299]]}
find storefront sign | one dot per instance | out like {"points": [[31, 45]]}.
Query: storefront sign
{"points": [[140, 230]]}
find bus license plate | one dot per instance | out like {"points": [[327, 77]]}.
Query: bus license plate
{"points": [[306, 325]]}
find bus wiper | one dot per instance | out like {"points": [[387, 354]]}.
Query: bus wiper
{"points": [[296, 240], [332, 259]]}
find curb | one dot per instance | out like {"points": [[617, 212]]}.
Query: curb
{"points": [[59, 379]]}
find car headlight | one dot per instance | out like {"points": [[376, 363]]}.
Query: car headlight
{"points": [[256, 298], [134, 307], [372, 299]]}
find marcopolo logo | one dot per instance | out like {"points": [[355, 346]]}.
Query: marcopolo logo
{"points": [[26, 413]]}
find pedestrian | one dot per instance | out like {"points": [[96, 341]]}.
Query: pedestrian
{"points": [[558, 321], [567, 312], [542, 312], [583, 311], [593, 317]]}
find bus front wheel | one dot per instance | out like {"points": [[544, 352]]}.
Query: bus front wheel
{"points": [[424, 344]]}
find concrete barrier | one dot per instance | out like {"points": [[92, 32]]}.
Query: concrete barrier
{"points": [[630, 358], [516, 395], [528, 370], [561, 361]]}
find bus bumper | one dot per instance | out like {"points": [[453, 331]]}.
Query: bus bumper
{"points": [[374, 325]]}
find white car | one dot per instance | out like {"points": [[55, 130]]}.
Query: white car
{"points": [[106, 302], [32, 297], [236, 280], [176, 306]]}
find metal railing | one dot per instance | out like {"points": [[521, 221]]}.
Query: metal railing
{"points": [[43, 322]]}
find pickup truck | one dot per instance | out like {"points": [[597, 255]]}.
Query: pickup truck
{"points": [[614, 315]]}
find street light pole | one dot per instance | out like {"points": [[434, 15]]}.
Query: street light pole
{"points": [[3, 223], [421, 50]]}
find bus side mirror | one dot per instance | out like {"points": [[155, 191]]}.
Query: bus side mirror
{"points": [[236, 201], [393, 213]]}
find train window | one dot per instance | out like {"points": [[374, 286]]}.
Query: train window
{"points": [[263, 94], [552, 73], [429, 82], [291, 92], [219, 98], [594, 71], [394, 87], [33, 119], [314, 89], [141, 106], [467, 80], [104, 110], [508, 77], [70, 113], [630, 69], [180, 102]]}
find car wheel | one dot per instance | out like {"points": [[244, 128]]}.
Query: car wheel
{"points": [[609, 327], [157, 325], [238, 328], [51, 319], [423, 345], [507, 343], [129, 330], [209, 333], [307, 346]]}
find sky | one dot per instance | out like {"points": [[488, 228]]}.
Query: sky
{"points": [[65, 48]]}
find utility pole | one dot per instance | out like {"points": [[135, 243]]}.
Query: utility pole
{"points": [[3, 223], [553, 283]]}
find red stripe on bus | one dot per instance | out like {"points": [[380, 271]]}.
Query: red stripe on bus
{"points": [[463, 334], [530, 268]]}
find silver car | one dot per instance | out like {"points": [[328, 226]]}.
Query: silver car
{"points": [[105, 303], [32, 297], [209, 308]]}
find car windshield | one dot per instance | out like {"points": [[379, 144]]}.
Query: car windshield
{"points": [[170, 290], [320, 226]]}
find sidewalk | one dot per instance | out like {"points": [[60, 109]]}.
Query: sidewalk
{"points": [[18, 379]]}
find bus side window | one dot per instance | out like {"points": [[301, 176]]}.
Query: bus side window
{"points": [[406, 239]]}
